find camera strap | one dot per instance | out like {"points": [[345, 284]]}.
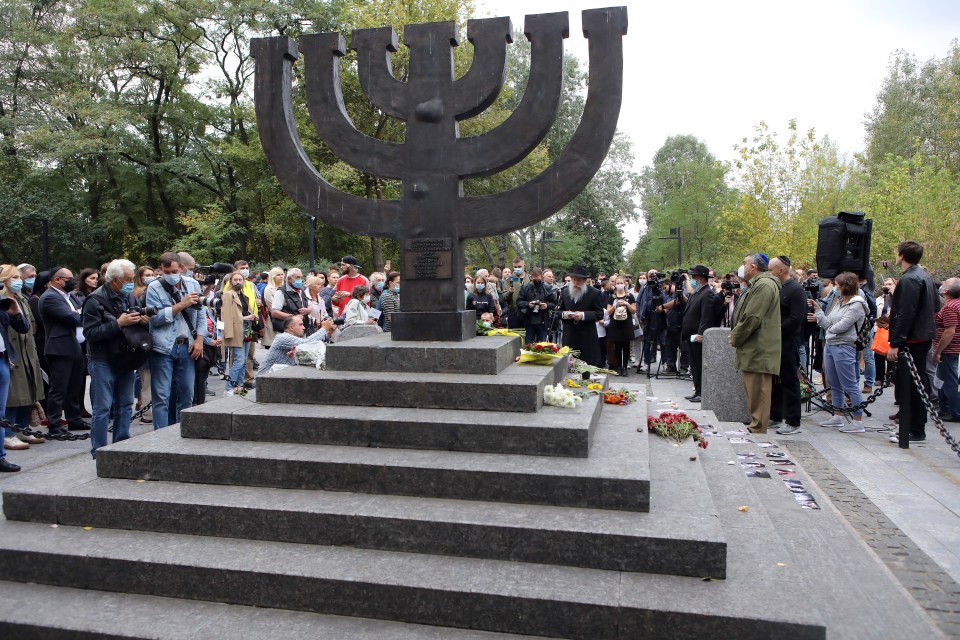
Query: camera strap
{"points": [[176, 297]]}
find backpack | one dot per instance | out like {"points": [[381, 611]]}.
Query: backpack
{"points": [[132, 349]]}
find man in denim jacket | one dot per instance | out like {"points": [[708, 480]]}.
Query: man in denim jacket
{"points": [[178, 329]]}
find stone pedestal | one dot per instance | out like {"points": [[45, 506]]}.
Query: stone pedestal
{"points": [[722, 388]]}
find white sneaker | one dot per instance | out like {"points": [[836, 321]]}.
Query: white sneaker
{"points": [[14, 444], [787, 430], [895, 439], [835, 421], [855, 427], [227, 393]]}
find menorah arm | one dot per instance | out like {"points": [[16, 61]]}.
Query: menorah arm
{"points": [[510, 142], [572, 171], [281, 144], [374, 48], [322, 53], [481, 85]]}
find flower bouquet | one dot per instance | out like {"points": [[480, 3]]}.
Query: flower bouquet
{"points": [[493, 331], [579, 366], [619, 396], [542, 353], [677, 426], [558, 396]]}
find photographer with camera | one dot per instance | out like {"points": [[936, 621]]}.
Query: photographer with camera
{"points": [[177, 329], [112, 321], [677, 351], [653, 319], [535, 302]]}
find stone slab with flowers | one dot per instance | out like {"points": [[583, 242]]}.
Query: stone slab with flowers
{"points": [[437, 489]]}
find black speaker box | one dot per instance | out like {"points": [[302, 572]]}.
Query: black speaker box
{"points": [[843, 244]]}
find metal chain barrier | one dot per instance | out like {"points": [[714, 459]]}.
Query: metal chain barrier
{"points": [[928, 403], [821, 396], [27, 431]]}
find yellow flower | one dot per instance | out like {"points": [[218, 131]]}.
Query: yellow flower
{"points": [[595, 386], [572, 383]]}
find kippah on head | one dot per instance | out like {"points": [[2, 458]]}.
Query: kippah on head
{"points": [[784, 259], [766, 260]]}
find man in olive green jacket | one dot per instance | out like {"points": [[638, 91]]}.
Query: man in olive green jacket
{"points": [[755, 333]]}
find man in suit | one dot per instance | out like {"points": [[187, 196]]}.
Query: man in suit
{"points": [[580, 309], [785, 399], [704, 310], [62, 322]]}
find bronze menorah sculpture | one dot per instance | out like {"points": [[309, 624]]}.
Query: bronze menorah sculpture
{"points": [[433, 217]]}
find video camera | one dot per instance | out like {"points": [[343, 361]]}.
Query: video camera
{"points": [[729, 286], [677, 276], [812, 286], [207, 274]]}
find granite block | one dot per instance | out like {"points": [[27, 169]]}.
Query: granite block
{"points": [[488, 355], [431, 326], [356, 331], [512, 390], [722, 388]]}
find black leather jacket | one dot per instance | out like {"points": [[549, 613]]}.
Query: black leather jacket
{"points": [[915, 302]]}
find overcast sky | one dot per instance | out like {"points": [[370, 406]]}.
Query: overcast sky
{"points": [[716, 69]]}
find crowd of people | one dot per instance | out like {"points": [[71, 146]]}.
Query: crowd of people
{"points": [[148, 337]]}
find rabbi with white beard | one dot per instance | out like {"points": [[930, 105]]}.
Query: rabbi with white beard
{"points": [[580, 308]]}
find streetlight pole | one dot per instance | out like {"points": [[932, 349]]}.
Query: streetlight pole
{"points": [[676, 233], [313, 228], [545, 238]]}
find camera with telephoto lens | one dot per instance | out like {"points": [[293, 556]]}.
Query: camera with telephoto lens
{"points": [[812, 287], [676, 276], [729, 287], [148, 311]]}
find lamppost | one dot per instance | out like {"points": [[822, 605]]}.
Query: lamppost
{"points": [[545, 238], [312, 222], [676, 234]]}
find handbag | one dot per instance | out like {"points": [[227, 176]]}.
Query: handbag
{"points": [[881, 341]]}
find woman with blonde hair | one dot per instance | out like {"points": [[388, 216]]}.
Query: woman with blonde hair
{"points": [[237, 330], [274, 281], [26, 383], [318, 309]]}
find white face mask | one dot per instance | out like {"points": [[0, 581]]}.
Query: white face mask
{"points": [[740, 272]]}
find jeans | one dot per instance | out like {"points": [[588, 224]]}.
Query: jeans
{"points": [[869, 364], [169, 371], [4, 389], [238, 361], [841, 368], [535, 333], [949, 394], [109, 390]]}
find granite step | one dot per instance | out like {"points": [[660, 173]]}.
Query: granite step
{"points": [[614, 476], [681, 538], [518, 388], [488, 595], [487, 355], [552, 431], [65, 613]]}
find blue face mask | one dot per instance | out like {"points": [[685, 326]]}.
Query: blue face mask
{"points": [[694, 284], [245, 273], [481, 287], [149, 279], [16, 285], [187, 273], [173, 279], [28, 283], [378, 286], [743, 286], [127, 288], [298, 284], [396, 289]]}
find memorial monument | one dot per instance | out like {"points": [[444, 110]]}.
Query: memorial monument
{"points": [[433, 217]]}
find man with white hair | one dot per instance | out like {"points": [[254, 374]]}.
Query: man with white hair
{"points": [[580, 308], [106, 314]]}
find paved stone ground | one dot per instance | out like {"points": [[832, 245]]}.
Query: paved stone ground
{"points": [[904, 503]]}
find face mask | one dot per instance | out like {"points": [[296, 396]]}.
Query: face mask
{"points": [[70, 285], [127, 288], [366, 299], [396, 289], [173, 279], [298, 284], [378, 286], [740, 272], [16, 285], [188, 273], [238, 286], [620, 287], [743, 287], [149, 280], [694, 284], [518, 271], [466, 285], [488, 325], [28, 283], [245, 273], [481, 287]]}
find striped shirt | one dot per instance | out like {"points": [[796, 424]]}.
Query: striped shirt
{"points": [[948, 316]]}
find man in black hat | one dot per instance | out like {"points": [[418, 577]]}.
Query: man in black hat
{"points": [[350, 277], [580, 309], [704, 311]]}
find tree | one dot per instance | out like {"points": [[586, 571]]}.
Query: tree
{"points": [[684, 188]]}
